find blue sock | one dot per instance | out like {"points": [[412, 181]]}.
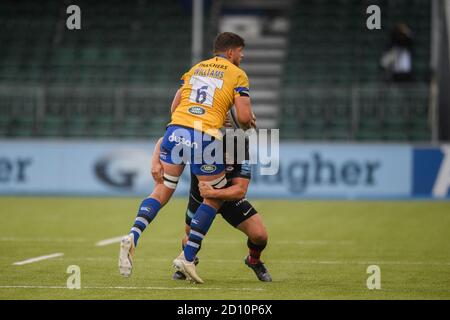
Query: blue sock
{"points": [[200, 224], [147, 212]]}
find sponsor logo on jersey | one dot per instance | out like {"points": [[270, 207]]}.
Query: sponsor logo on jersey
{"points": [[208, 168], [197, 111], [229, 168], [163, 155], [183, 141]]}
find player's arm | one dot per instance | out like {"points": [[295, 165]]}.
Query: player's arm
{"points": [[157, 169], [176, 100], [236, 191], [244, 112]]}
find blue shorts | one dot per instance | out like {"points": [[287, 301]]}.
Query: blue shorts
{"points": [[183, 145]]}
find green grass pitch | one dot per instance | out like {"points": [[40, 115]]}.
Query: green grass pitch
{"points": [[317, 250]]}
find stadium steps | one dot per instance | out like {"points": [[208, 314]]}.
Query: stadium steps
{"points": [[264, 57], [265, 115], [263, 63], [270, 55], [264, 73], [265, 83], [262, 69], [266, 43]]}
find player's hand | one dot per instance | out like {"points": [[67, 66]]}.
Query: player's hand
{"points": [[205, 189], [253, 122], [157, 172], [227, 123]]}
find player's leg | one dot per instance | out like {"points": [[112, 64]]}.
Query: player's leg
{"points": [[257, 235], [178, 275], [200, 224], [241, 215], [147, 211], [161, 194], [209, 168], [203, 218], [187, 230], [185, 239], [257, 238], [149, 207], [192, 207]]}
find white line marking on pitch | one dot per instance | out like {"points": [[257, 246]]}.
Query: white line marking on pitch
{"points": [[176, 288], [38, 239], [117, 240], [32, 287], [133, 288], [32, 260], [330, 262], [108, 241]]}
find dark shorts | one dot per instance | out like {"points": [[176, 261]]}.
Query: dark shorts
{"points": [[234, 212]]}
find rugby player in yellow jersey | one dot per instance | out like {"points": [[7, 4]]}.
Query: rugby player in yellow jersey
{"points": [[236, 209], [199, 108]]}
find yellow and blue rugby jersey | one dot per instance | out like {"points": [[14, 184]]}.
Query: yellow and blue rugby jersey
{"points": [[207, 93]]}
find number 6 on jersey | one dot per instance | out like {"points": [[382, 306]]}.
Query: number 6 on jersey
{"points": [[203, 90]]}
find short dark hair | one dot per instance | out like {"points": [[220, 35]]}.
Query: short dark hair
{"points": [[227, 40]]}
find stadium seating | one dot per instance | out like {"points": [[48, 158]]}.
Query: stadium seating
{"points": [[116, 76], [333, 85], [120, 45], [122, 42]]}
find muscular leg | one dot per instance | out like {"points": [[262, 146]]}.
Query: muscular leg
{"points": [[147, 212], [203, 217], [257, 235], [184, 240], [178, 275], [187, 229], [149, 208], [254, 228]]}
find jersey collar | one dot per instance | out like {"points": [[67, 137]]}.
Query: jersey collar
{"points": [[221, 56]]}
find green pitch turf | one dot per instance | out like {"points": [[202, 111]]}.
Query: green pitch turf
{"points": [[317, 250]]}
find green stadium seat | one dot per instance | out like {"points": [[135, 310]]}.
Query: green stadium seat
{"points": [[22, 127], [52, 126], [77, 127]]}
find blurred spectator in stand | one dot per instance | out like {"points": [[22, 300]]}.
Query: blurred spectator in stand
{"points": [[397, 59]]}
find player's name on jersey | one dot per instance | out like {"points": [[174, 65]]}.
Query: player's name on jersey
{"points": [[209, 73], [214, 65]]}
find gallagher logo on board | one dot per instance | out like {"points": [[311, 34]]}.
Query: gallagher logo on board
{"points": [[432, 172]]}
